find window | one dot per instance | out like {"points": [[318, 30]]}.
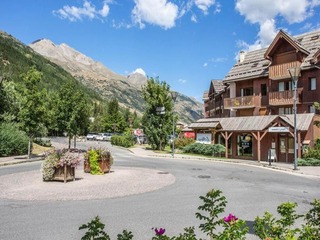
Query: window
{"points": [[246, 92], [263, 89], [285, 110], [312, 83], [312, 109], [285, 86], [244, 145]]}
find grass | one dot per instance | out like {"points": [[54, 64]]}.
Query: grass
{"points": [[39, 150]]}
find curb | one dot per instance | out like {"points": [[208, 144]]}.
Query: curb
{"points": [[21, 161]]}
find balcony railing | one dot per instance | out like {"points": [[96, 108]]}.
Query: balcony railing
{"points": [[242, 102], [280, 71], [284, 97]]}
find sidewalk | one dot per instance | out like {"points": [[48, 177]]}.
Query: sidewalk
{"points": [[143, 152], [287, 167]]}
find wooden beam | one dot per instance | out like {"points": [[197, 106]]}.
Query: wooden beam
{"points": [[259, 146], [299, 144]]}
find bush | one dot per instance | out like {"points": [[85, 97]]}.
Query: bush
{"points": [[204, 149], [309, 162], [12, 140], [180, 143], [312, 153], [92, 158], [42, 142], [217, 227], [123, 141]]}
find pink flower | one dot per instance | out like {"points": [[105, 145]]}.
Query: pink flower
{"points": [[159, 232], [230, 219]]}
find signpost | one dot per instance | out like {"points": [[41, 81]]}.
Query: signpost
{"points": [[279, 129]]}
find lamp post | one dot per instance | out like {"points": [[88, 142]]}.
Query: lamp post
{"points": [[174, 98], [295, 73], [160, 111]]}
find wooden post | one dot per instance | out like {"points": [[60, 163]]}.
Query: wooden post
{"points": [[65, 173], [299, 144]]}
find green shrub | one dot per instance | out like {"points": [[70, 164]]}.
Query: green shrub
{"points": [[204, 149], [12, 140], [42, 142], [123, 141], [180, 143], [92, 159], [217, 227], [312, 153], [309, 162]]}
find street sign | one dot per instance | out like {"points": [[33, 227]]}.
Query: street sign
{"points": [[279, 129]]}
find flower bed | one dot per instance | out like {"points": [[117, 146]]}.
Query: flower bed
{"points": [[60, 165]]}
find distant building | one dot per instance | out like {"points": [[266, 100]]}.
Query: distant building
{"points": [[252, 107]]}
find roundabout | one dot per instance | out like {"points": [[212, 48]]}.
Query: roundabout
{"points": [[120, 182]]}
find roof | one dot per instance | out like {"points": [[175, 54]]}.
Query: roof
{"points": [[303, 120], [293, 42], [256, 65], [252, 123], [205, 95], [216, 86], [204, 125]]}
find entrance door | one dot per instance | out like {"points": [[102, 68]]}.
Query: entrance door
{"points": [[286, 148]]}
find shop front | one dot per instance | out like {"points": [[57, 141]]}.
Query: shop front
{"points": [[259, 137]]}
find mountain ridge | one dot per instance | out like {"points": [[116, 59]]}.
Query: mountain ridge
{"points": [[98, 77]]}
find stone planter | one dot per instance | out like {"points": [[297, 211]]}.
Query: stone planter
{"points": [[64, 173]]}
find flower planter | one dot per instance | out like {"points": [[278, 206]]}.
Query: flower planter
{"points": [[97, 161], [105, 166], [64, 173]]}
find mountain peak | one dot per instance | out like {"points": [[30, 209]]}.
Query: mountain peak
{"points": [[127, 89]]}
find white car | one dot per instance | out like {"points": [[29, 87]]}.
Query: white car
{"points": [[91, 136], [101, 137]]}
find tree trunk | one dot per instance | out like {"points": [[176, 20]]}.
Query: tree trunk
{"points": [[75, 141], [69, 142]]}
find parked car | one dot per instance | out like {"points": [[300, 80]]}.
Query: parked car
{"points": [[108, 136], [100, 137], [91, 136], [104, 137]]}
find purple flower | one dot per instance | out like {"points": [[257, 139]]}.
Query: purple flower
{"points": [[159, 231], [230, 219]]}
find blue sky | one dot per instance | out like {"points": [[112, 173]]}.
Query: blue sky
{"points": [[186, 43]]}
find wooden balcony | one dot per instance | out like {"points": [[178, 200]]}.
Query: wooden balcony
{"points": [[280, 71], [284, 97], [242, 102]]}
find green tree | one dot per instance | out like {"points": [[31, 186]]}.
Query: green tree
{"points": [[32, 113], [98, 114], [114, 120], [73, 111], [157, 117]]}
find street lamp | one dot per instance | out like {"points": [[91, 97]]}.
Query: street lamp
{"points": [[174, 98], [161, 111], [295, 73]]}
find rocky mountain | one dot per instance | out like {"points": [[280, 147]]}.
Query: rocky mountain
{"points": [[96, 76]]}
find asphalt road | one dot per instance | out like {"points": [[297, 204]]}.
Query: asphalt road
{"points": [[249, 190]]}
